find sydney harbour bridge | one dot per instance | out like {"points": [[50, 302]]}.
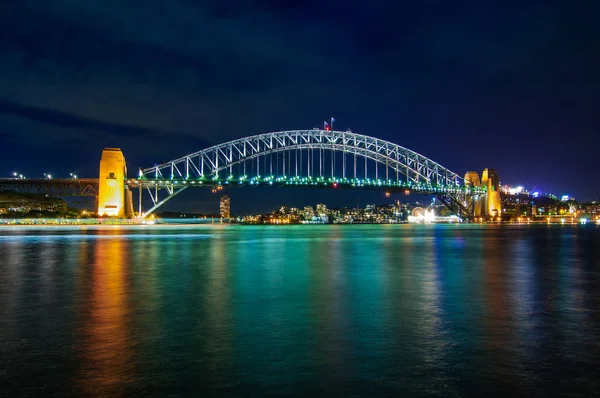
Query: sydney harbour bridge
{"points": [[296, 158]]}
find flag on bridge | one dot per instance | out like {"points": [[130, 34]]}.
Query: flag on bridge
{"points": [[332, 120]]}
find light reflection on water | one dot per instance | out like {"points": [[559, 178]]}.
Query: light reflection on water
{"points": [[338, 310], [103, 330]]}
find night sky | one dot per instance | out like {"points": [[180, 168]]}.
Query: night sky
{"points": [[512, 85]]}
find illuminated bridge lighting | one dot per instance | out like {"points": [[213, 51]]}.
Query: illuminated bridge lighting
{"points": [[308, 159]]}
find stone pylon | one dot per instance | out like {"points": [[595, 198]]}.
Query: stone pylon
{"points": [[111, 184], [489, 204]]}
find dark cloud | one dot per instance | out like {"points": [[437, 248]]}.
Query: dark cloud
{"points": [[470, 84], [69, 121]]}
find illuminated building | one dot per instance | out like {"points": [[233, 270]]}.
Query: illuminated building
{"points": [[225, 207], [321, 210], [321, 213], [420, 215], [114, 198], [308, 212]]}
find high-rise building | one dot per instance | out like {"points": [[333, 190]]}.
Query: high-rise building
{"points": [[225, 207]]}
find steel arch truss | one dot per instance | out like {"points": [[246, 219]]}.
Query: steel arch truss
{"points": [[218, 163], [211, 161]]}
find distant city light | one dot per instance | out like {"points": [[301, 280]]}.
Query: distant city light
{"points": [[564, 198], [513, 191]]}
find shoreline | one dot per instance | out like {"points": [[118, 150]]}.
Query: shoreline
{"points": [[221, 224]]}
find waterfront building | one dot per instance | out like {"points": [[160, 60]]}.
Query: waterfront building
{"points": [[321, 210], [308, 213], [225, 207]]}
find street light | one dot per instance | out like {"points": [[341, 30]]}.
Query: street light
{"points": [[48, 176], [73, 176]]}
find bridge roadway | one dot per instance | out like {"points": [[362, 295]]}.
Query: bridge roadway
{"points": [[58, 187], [301, 182], [89, 186], [51, 187]]}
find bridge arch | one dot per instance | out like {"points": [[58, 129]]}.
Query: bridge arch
{"points": [[211, 161], [346, 147]]}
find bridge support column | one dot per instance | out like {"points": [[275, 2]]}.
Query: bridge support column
{"points": [[112, 193], [140, 201], [489, 179], [460, 204], [488, 205], [472, 179]]}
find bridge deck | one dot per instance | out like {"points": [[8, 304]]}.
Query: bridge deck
{"points": [[299, 182], [51, 187]]}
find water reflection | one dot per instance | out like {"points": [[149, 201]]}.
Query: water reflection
{"points": [[218, 312], [267, 311], [106, 349], [12, 276], [498, 335], [328, 313]]}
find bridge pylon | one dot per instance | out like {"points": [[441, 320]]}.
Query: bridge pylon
{"points": [[114, 197], [488, 205]]}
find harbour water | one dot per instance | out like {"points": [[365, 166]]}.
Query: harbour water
{"points": [[335, 310]]}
